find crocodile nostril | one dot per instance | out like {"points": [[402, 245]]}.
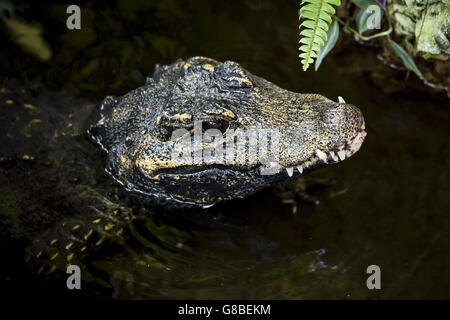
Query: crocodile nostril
{"points": [[331, 116]]}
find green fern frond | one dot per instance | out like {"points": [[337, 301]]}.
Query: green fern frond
{"points": [[316, 15]]}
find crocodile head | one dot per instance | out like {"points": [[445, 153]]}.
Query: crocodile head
{"points": [[201, 131]]}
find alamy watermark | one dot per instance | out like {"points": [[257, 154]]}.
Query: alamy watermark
{"points": [[234, 147], [374, 280], [74, 20], [374, 19], [74, 280]]}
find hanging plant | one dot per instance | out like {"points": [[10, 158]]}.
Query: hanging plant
{"points": [[320, 30]]}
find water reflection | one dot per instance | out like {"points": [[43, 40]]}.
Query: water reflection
{"points": [[387, 205]]}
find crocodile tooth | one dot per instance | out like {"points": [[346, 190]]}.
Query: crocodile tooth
{"points": [[300, 169], [341, 100], [322, 155], [290, 171], [334, 156], [341, 155]]}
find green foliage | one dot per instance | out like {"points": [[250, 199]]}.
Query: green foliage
{"points": [[332, 36], [406, 59], [317, 38], [316, 18]]}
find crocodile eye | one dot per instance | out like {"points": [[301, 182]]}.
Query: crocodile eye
{"points": [[219, 124], [163, 133]]}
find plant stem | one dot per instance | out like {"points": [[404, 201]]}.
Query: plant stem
{"points": [[381, 34]]}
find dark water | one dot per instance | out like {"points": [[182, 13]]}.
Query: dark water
{"points": [[388, 205]]}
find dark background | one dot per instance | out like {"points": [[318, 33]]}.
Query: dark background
{"points": [[388, 205]]}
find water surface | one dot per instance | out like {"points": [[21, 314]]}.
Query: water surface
{"points": [[388, 205]]}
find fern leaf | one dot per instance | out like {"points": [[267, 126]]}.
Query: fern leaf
{"points": [[316, 18]]}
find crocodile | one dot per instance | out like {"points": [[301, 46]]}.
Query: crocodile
{"points": [[195, 106], [56, 199]]}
